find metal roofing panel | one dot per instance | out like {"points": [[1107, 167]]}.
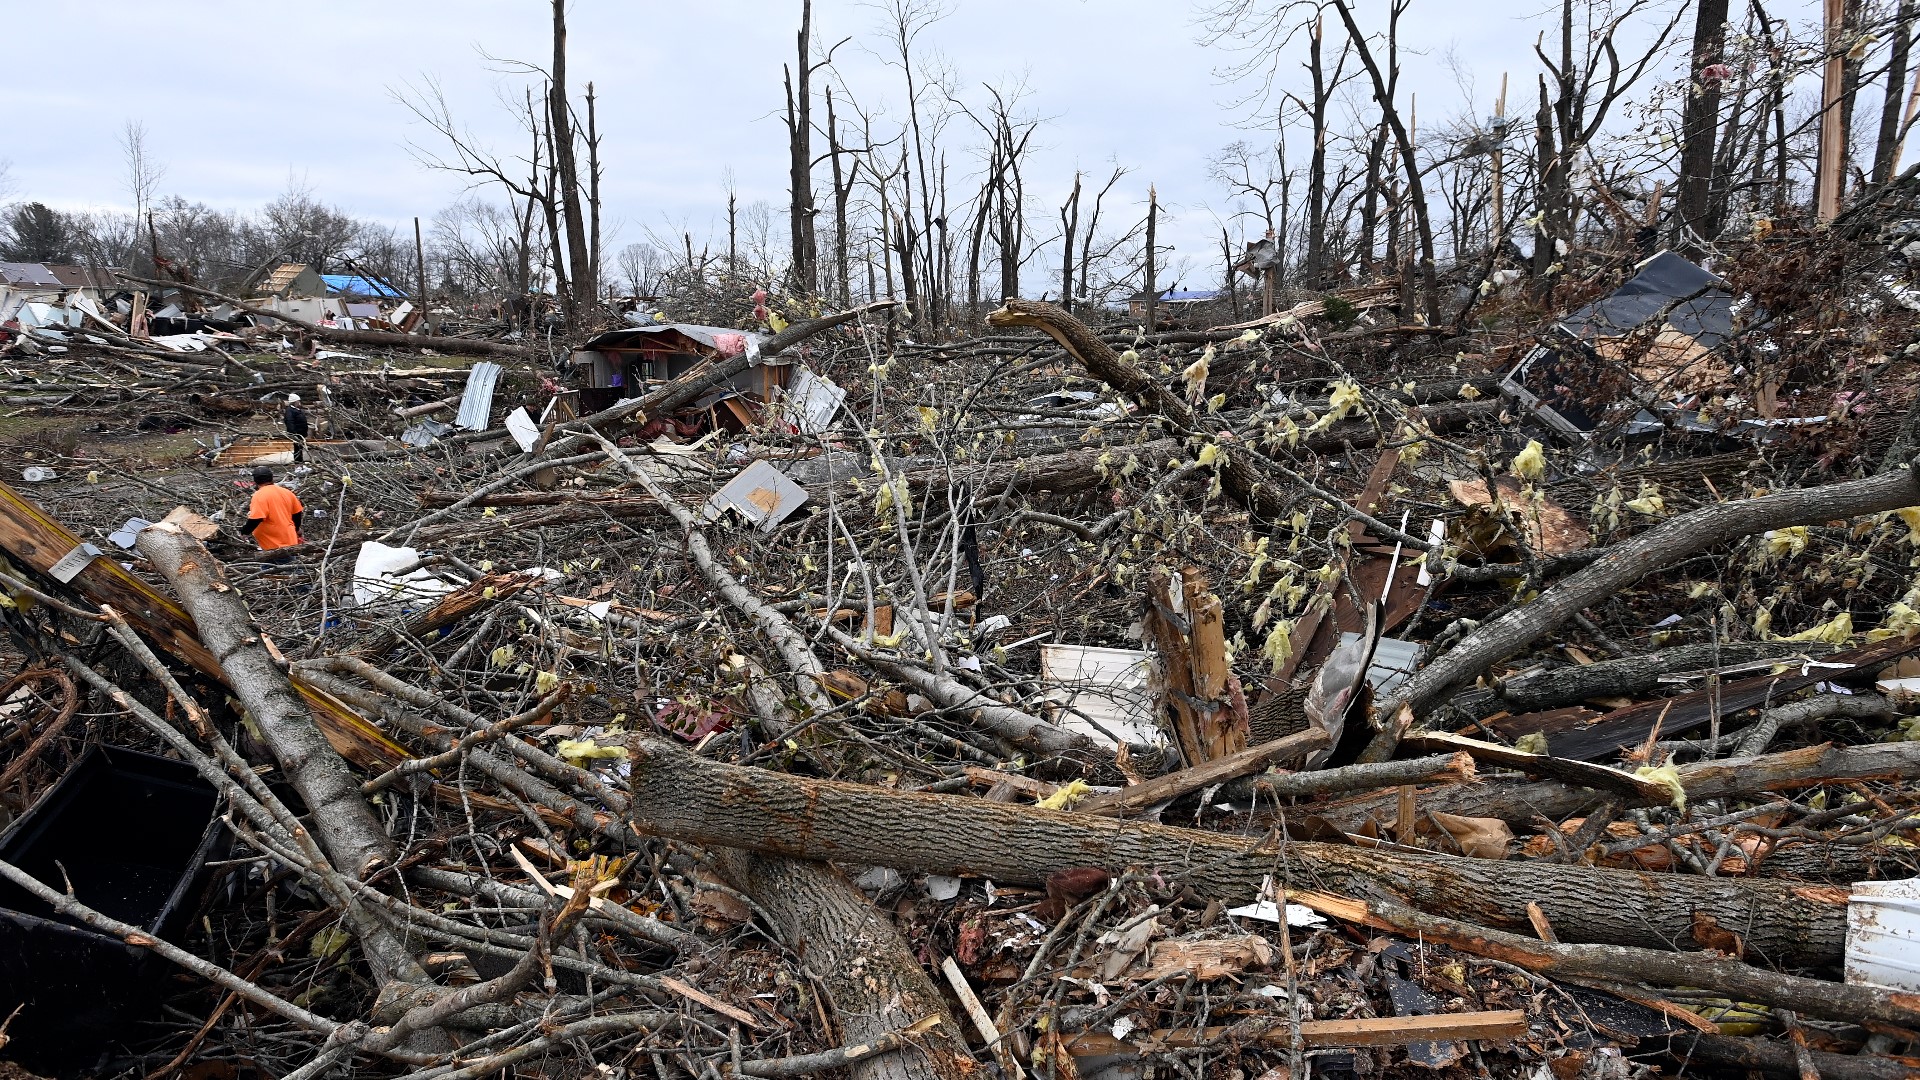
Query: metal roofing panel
{"points": [[761, 493], [1695, 302], [19, 273], [477, 402]]}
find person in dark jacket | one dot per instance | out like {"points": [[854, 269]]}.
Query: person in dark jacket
{"points": [[296, 420]]}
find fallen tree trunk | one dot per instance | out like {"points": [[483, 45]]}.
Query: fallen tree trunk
{"points": [[1237, 475], [1621, 566], [1526, 803], [864, 964], [351, 835], [1551, 687], [1854, 1004], [677, 795]]}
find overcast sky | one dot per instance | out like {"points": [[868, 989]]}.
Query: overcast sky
{"points": [[239, 98]]}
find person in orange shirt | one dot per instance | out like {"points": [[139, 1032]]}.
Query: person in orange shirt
{"points": [[273, 518]]}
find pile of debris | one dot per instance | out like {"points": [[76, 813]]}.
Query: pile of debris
{"points": [[1332, 694]]}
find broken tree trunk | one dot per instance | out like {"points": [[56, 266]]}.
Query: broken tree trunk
{"points": [[1237, 475], [1194, 687], [677, 795], [348, 831], [866, 967], [1621, 566]]}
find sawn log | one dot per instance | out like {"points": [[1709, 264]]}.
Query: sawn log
{"points": [[680, 796]]}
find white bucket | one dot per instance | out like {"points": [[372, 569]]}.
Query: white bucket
{"points": [[1883, 934]]}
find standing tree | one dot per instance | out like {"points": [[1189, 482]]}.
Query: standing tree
{"points": [[37, 233], [1699, 125]]}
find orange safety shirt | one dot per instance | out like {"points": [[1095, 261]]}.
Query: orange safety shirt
{"points": [[274, 506]]}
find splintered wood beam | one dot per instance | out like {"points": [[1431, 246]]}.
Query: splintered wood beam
{"points": [[1175, 784], [1317, 1034], [1586, 774]]}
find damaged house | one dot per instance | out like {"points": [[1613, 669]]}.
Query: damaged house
{"points": [[1650, 357], [624, 363]]}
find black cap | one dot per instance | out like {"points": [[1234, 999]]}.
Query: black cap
{"points": [[262, 475]]}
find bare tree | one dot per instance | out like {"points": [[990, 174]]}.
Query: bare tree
{"points": [[642, 266], [1701, 121], [1886, 150], [566, 178], [803, 269], [1069, 224]]}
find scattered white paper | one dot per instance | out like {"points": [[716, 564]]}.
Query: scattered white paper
{"points": [[128, 532], [1266, 911], [942, 887], [72, 563], [1123, 1027]]}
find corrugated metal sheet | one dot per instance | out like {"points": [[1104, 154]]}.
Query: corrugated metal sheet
{"points": [[477, 403], [761, 493]]}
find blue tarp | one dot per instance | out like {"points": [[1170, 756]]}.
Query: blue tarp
{"points": [[356, 285]]}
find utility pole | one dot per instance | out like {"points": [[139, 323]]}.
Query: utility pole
{"points": [[1833, 152], [1153, 291], [1499, 161], [420, 266]]}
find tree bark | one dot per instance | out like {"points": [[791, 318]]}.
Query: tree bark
{"points": [[1700, 123], [866, 967], [351, 835], [1548, 688], [1525, 804], [1625, 563], [677, 795], [580, 261], [1886, 146], [806, 254]]}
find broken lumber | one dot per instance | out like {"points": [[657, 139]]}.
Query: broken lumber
{"points": [[1175, 784], [1316, 1034], [677, 795]]}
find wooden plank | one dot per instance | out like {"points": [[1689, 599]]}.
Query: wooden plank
{"points": [[37, 541], [1205, 960], [1583, 773], [711, 1002], [1174, 784], [1319, 1034]]}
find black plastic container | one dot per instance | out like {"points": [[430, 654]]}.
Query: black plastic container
{"points": [[134, 833]]}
